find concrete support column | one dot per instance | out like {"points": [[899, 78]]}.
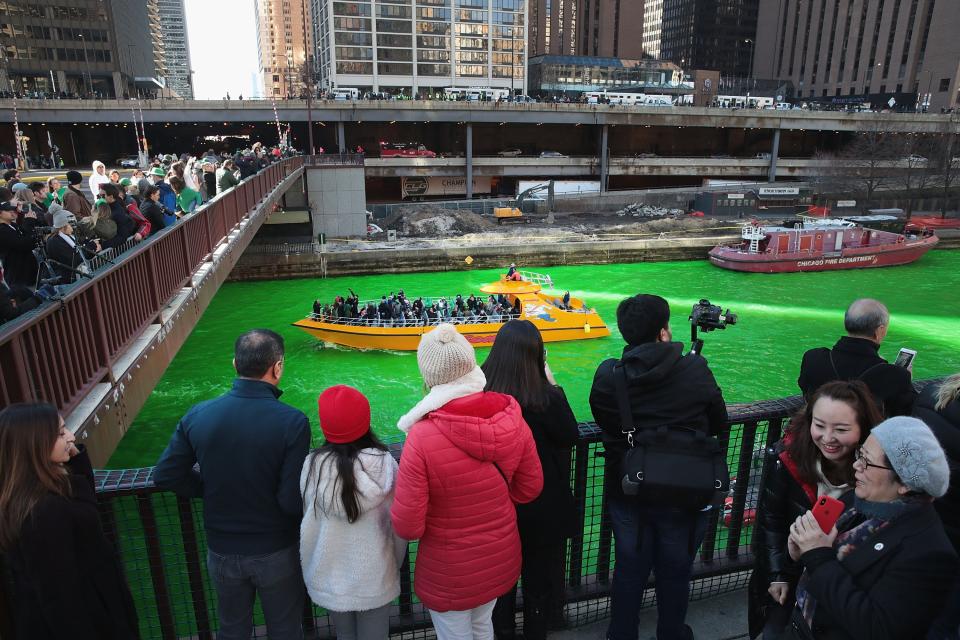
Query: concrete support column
{"points": [[341, 137], [604, 157], [469, 161], [774, 154]]}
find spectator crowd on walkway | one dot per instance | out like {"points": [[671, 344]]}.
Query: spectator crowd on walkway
{"points": [[857, 533], [51, 233]]}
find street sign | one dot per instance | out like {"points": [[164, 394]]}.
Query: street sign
{"points": [[892, 103], [846, 203]]}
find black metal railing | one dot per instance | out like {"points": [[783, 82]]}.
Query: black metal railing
{"points": [[161, 540]]}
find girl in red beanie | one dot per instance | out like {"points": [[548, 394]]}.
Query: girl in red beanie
{"points": [[349, 553]]}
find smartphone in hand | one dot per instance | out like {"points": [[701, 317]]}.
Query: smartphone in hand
{"points": [[905, 358], [826, 511]]}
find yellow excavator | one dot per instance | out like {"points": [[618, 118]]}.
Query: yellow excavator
{"points": [[515, 213]]}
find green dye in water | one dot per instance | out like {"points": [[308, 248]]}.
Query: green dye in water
{"points": [[780, 316]]}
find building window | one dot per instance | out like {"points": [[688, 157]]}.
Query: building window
{"points": [[944, 84], [883, 88]]}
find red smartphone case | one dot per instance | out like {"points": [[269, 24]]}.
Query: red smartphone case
{"points": [[826, 511]]}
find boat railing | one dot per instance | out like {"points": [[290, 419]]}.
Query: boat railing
{"points": [[541, 279], [409, 322]]}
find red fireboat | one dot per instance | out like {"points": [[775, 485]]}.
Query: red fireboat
{"points": [[820, 245]]}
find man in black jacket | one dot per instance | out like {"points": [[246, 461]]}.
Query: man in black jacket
{"points": [[16, 246], [855, 357], [664, 388], [251, 448]]}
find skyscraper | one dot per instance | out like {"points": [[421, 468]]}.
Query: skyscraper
{"points": [[416, 46], [652, 27], [284, 38], [863, 50], [605, 28], [176, 50], [718, 35]]}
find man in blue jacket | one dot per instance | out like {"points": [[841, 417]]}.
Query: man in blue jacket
{"points": [[250, 448]]}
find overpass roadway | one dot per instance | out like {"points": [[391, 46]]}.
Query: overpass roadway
{"points": [[590, 166], [426, 111]]}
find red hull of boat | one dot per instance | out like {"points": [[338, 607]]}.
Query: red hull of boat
{"points": [[866, 257]]}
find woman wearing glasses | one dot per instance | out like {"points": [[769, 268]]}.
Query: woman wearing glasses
{"points": [[884, 570], [815, 458]]}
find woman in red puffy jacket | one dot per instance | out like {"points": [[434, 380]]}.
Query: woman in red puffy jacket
{"points": [[468, 458]]}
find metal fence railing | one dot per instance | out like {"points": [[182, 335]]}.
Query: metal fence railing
{"points": [[161, 540], [43, 362]]}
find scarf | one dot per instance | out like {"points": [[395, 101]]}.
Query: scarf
{"points": [[858, 525], [441, 394]]}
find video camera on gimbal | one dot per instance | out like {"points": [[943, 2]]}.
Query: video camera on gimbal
{"points": [[707, 317]]}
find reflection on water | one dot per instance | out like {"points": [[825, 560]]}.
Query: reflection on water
{"points": [[781, 316]]}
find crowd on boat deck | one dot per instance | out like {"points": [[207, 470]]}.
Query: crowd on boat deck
{"points": [[483, 484], [397, 309]]}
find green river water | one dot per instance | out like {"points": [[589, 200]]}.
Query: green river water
{"points": [[780, 316]]}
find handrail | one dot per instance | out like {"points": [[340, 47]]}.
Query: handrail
{"points": [[44, 357]]}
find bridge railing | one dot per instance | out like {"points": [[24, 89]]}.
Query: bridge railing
{"points": [[161, 541], [61, 351]]}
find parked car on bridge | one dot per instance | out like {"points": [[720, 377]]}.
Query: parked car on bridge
{"points": [[509, 153], [552, 154], [405, 150], [128, 162]]}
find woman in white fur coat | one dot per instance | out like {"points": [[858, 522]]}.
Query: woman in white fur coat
{"points": [[348, 551]]}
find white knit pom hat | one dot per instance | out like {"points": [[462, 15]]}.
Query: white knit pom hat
{"points": [[444, 356]]}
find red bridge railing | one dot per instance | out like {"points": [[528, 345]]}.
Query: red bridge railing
{"points": [[59, 352]]}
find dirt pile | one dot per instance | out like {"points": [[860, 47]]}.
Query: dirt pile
{"points": [[433, 221], [639, 210]]}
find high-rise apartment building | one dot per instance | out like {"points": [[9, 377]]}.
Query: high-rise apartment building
{"points": [[652, 27], [176, 50], [718, 35], [284, 38], [82, 47], [415, 47], [863, 50], [604, 28]]}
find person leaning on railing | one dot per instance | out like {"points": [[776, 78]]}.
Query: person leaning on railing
{"points": [[884, 570], [68, 581], [815, 458]]}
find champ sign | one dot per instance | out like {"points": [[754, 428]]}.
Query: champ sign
{"points": [[416, 187]]}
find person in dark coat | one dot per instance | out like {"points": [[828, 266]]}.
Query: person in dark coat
{"points": [[250, 448], [939, 407], [153, 210], [855, 357], [16, 246], [815, 458], [126, 226], [884, 570], [68, 580], [15, 301], [63, 250], [517, 367], [664, 388]]}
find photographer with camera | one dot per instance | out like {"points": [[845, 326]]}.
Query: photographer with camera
{"points": [[16, 244], [654, 389], [65, 254]]}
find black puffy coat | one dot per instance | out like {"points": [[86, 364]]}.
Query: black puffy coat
{"points": [[68, 580], [784, 498], [858, 359], [945, 424], [665, 388], [555, 431], [891, 587]]}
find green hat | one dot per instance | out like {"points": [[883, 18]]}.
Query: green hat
{"points": [[126, 182], [99, 201], [157, 171]]}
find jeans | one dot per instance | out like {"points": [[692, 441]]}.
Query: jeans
{"points": [[472, 624], [659, 539], [362, 625], [276, 577]]}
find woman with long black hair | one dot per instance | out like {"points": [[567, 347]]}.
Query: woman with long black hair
{"points": [[68, 580], [517, 367], [349, 553]]}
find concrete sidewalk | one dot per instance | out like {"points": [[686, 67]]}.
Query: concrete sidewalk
{"points": [[722, 617]]}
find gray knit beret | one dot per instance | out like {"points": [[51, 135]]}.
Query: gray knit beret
{"points": [[444, 355], [915, 454]]}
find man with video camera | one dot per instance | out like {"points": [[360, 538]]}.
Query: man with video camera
{"points": [[656, 388], [63, 250]]}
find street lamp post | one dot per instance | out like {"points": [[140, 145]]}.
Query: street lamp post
{"points": [[750, 65]]}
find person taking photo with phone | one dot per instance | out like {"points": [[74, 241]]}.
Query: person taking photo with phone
{"points": [[814, 459], [884, 570]]}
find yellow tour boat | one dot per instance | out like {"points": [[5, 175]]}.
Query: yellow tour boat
{"points": [[557, 323]]}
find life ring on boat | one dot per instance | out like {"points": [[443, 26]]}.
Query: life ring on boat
{"points": [[901, 240]]}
